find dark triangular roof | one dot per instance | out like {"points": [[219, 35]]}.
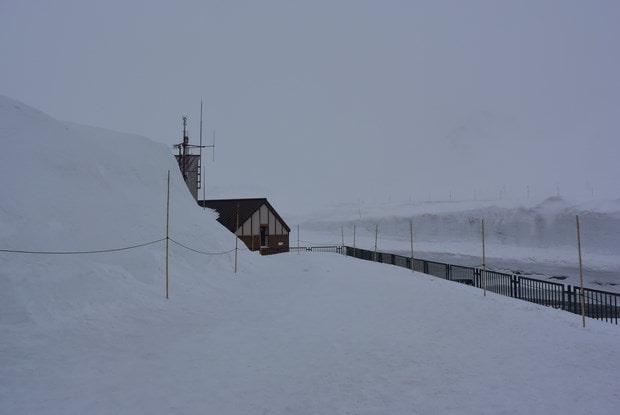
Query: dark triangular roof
{"points": [[227, 209]]}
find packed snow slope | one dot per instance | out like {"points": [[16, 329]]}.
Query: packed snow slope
{"points": [[303, 334]]}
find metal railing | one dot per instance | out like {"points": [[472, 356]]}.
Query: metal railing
{"points": [[600, 305], [320, 248]]}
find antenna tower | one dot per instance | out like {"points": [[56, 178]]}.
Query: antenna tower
{"points": [[191, 164]]}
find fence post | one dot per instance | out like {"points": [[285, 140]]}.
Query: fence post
{"points": [[376, 235], [515, 287], [477, 278], [354, 256], [167, 229], [484, 265], [583, 301], [411, 237]]}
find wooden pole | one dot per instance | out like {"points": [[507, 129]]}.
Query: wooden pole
{"points": [[411, 237], [252, 231], [376, 236], [167, 229], [583, 300], [202, 176], [484, 263], [204, 186], [236, 238]]}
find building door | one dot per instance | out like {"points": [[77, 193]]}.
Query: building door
{"points": [[264, 236]]}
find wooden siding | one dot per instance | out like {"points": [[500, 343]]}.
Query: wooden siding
{"points": [[254, 215], [277, 237]]}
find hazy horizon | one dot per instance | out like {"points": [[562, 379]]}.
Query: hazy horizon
{"points": [[341, 101]]}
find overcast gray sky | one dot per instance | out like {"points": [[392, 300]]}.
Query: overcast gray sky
{"points": [[335, 101]]}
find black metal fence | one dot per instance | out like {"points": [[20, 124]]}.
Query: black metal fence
{"points": [[600, 305], [321, 248]]}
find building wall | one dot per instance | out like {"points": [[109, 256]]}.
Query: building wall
{"points": [[277, 244], [277, 238]]}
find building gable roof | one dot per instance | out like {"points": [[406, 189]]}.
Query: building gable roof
{"points": [[227, 209]]}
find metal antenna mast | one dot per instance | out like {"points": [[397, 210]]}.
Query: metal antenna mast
{"points": [[183, 146], [191, 164]]}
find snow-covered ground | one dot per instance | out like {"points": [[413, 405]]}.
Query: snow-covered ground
{"points": [[292, 333]]}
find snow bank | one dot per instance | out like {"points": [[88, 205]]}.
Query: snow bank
{"points": [[68, 187]]}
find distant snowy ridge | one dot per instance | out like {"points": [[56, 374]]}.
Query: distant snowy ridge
{"points": [[542, 235], [550, 224]]}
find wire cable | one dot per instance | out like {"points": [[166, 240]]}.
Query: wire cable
{"points": [[198, 251], [17, 251]]}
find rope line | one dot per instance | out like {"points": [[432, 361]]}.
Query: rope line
{"points": [[17, 251], [101, 251], [199, 252]]}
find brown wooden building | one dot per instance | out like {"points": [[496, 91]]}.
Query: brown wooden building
{"points": [[259, 226]]}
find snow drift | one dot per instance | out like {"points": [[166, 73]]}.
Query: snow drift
{"points": [[69, 188]]}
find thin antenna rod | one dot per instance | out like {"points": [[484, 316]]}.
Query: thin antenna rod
{"points": [[167, 229], [200, 155], [213, 145]]}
